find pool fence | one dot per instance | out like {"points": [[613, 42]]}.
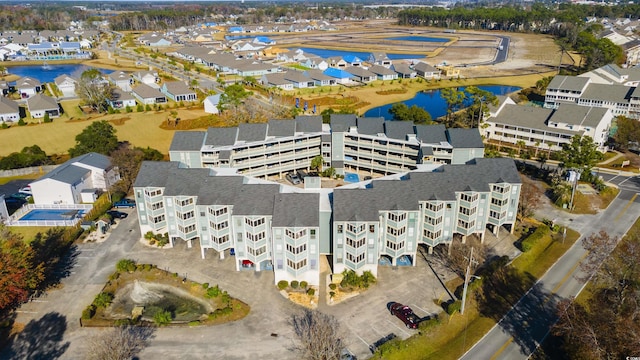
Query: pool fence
{"points": [[14, 219]]}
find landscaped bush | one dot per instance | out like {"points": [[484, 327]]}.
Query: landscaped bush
{"points": [[332, 286], [205, 286], [89, 312], [213, 292], [162, 318], [126, 265], [427, 324], [294, 284], [304, 284], [454, 307], [103, 299], [311, 292], [124, 322], [351, 279], [530, 241], [283, 284]]}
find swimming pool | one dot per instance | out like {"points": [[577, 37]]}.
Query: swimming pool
{"points": [[351, 177], [53, 214]]}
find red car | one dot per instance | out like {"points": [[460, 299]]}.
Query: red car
{"points": [[405, 314]]}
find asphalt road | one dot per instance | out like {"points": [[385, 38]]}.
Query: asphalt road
{"points": [[521, 330], [503, 53]]}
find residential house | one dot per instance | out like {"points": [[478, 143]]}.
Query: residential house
{"points": [[337, 62], [383, 73], [211, 103], [148, 95], [121, 79], [319, 78], [404, 71], [39, 105], [426, 71], [361, 74], [9, 110], [340, 76], [66, 84], [121, 99], [299, 79], [28, 87], [353, 60], [380, 59], [276, 80], [65, 184], [146, 77], [178, 91]]}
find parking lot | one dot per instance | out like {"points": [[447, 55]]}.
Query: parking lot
{"points": [[364, 318]]}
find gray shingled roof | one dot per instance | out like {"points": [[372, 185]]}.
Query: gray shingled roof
{"points": [[282, 128], [8, 106], [255, 199], [221, 136], [145, 91], [342, 122], [252, 132], [371, 126], [431, 134], [187, 141], [613, 93], [525, 116], [178, 88], [93, 159], [41, 102], [309, 123], [296, 210], [405, 194], [578, 115], [398, 129], [67, 173], [465, 138], [571, 83]]}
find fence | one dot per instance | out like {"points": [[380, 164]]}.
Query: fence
{"points": [[28, 170], [14, 219]]}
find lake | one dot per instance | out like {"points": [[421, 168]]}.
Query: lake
{"points": [[325, 53], [420, 38], [433, 103], [46, 74]]}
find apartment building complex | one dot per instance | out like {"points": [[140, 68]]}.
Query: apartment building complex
{"points": [[349, 143]]}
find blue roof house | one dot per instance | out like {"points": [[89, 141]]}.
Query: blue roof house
{"points": [[264, 40], [341, 76], [352, 60]]}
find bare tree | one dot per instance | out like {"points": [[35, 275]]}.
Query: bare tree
{"points": [[119, 343], [456, 257], [530, 195], [598, 246], [94, 90], [318, 335]]}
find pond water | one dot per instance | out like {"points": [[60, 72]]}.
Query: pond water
{"points": [[433, 103], [156, 298], [325, 53], [46, 73], [420, 38]]}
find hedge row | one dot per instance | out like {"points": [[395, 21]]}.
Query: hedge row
{"points": [[530, 241]]}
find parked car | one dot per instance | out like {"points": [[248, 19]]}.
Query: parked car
{"points": [[405, 314], [124, 203], [26, 190], [293, 178], [117, 214]]}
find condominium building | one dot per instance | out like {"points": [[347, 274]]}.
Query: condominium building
{"points": [[349, 143], [286, 229]]}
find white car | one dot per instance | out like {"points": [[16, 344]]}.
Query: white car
{"points": [[26, 190]]}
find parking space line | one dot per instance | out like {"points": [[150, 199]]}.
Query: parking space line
{"points": [[26, 312], [376, 331], [399, 328], [421, 309]]}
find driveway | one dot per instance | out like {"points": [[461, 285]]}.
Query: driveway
{"points": [[364, 318]]}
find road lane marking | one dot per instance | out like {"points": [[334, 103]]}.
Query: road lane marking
{"points": [[502, 348], [566, 276], [626, 207]]}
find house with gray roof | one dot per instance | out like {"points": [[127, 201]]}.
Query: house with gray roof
{"points": [[65, 184], [66, 84], [548, 129], [39, 105], [148, 95], [383, 73], [178, 91], [121, 99], [28, 87], [426, 71], [361, 74], [9, 110]]}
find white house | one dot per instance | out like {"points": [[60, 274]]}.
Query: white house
{"points": [[28, 87], [39, 105], [146, 77], [66, 84], [65, 184], [9, 110], [120, 99], [149, 95], [121, 79], [211, 104], [178, 91]]}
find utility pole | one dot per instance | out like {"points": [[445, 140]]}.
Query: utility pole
{"points": [[466, 282]]}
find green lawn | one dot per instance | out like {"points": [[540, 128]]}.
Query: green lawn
{"points": [[4, 180], [28, 233]]}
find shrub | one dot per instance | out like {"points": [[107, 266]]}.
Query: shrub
{"points": [[162, 318], [303, 284], [294, 284], [152, 242], [454, 307], [332, 286], [332, 293], [114, 276], [103, 299], [89, 312], [124, 322], [213, 292], [47, 118], [283, 284], [427, 324], [311, 292], [148, 267], [205, 286], [531, 240], [140, 108], [194, 323], [125, 265]]}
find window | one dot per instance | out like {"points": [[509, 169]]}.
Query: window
{"points": [[187, 229], [396, 232], [186, 202], [157, 219], [185, 216], [356, 243], [219, 226], [257, 252], [254, 223], [467, 211], [433, 235], [218, 212], [220, 239], [296, 265], [354, 258], [499, 202], [296, 249], [153, 193], [339, 229], [497, 215], [158, 205], [434, 206], [256, 237], [296, 235], [466, 224], [433, 221], [202, 213], [501, 189], [355, 229], [372, 228], [395, 246], [312, 232], [468, 197], [397, 217]]}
